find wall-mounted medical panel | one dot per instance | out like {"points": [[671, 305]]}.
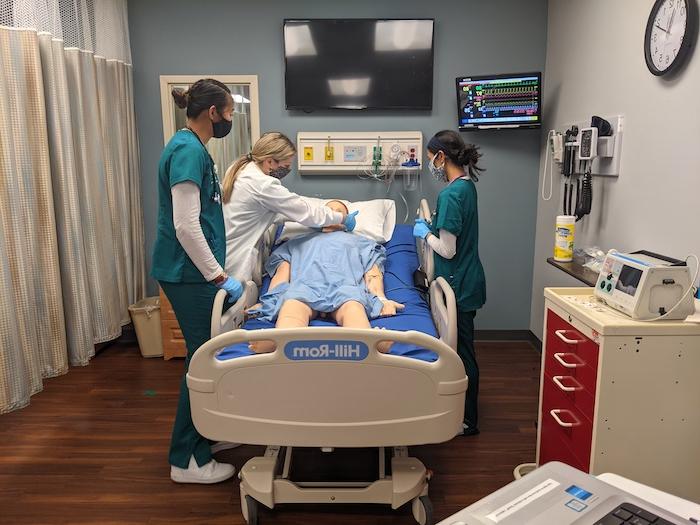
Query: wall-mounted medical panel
{"points": [[351, 153], [608, 150]]}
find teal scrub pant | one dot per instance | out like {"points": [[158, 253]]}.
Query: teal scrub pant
{"points": [[465, 349], [192, 304]]}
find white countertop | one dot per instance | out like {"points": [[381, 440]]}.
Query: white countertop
{"points": [[582, 304]]}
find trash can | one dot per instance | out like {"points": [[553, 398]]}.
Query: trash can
{"points": [[146, 317]]}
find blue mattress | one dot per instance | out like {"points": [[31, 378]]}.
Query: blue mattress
{"points": [[402, 261]]}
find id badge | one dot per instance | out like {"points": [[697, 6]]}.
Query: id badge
{"points": [[216, 187]]}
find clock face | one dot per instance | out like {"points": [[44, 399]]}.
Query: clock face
{"points": [[667, 33]]}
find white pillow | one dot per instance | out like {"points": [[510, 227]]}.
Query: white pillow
{"points": [[376, 219]]}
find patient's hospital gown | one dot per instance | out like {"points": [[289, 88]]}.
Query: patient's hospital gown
{"points": [[327, 270]]}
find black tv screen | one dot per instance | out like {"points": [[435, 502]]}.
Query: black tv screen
{"points": [[358, 64], [499, 101]]}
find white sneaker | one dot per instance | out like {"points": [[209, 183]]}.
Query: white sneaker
{"points": [[467, 431], [212, 472], [223, 445]]}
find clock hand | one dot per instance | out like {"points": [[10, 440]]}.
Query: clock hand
{"points": [[670, 20], [657, 26]]}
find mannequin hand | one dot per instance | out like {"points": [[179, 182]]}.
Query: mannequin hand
{"points": [[421, 229], [332, 228], [253, 309], [349, 221], [390, 307], [233, 287]]}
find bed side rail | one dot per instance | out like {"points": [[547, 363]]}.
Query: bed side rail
{"points": [[233, 317], [425, 252], [264, 249], [443, 306]]}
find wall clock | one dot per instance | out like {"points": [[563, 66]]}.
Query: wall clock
{"points": [[670, 35]]}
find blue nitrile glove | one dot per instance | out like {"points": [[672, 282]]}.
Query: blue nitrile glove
{"points": [[349, 221], [421, 229], [233, 288]]}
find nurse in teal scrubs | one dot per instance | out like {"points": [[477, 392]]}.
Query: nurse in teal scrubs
{"points": [[454, 236], [189, 252]]}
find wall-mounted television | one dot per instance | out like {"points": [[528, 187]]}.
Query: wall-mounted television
{"points": [[358, 63], [499, 101]]}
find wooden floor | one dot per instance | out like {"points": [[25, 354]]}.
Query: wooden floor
{"points": [[92, 448]]}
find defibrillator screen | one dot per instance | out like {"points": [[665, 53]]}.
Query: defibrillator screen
{"points": [[629, 280]]}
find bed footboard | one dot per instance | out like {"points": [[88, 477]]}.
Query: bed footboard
{"points": [[327, 387]]}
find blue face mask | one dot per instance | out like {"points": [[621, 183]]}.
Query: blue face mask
{"points": [[438, 173]]}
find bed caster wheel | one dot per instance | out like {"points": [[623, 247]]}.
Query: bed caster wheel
{"points": [[423, 510], [250, 510]]}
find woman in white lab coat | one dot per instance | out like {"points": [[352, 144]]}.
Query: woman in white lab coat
{"points": [[254, 199]]}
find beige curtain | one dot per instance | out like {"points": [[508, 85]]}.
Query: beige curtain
{"points": [[32, 331], [71, 232]]}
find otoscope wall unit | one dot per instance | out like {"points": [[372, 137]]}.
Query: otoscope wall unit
{"points": [[351, 152], [581, 150], [606, 153]]}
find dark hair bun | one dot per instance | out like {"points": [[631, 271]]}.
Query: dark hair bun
{"points": [[463, 158], [469, 156], [463, 155], [202, 95], [180, 97]]}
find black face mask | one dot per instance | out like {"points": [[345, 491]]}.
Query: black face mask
{"points": [[280, 172], [222, 128]]}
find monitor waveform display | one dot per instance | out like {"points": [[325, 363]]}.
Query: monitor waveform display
{"points": [[499, 101]]}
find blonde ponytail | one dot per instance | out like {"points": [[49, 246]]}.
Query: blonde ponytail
{"points": [[272, 145], [232, 173]]}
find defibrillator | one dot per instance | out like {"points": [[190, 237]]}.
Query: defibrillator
{"points": [[646, 285]]}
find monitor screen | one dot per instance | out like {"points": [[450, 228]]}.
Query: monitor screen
{"points": [[628, 280], [358, 64], [499, 101]]}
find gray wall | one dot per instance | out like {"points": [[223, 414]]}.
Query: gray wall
{"points": [[653, 205], [234, 37]]}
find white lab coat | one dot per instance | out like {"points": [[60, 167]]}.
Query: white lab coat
{"points": [[257, 202]]}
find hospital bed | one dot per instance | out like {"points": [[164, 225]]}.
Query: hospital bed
{"points": [[328, 387]]}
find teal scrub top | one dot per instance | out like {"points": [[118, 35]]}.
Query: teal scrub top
{"points": [[185, 159], [457, 213]]}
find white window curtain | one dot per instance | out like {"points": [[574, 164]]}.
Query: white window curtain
{"points": [[71, 229]]}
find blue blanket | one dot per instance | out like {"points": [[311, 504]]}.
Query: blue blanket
{"points": [[401, 262]]}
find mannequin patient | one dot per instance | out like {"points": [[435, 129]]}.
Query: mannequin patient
{"points": [[330, 273]]}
